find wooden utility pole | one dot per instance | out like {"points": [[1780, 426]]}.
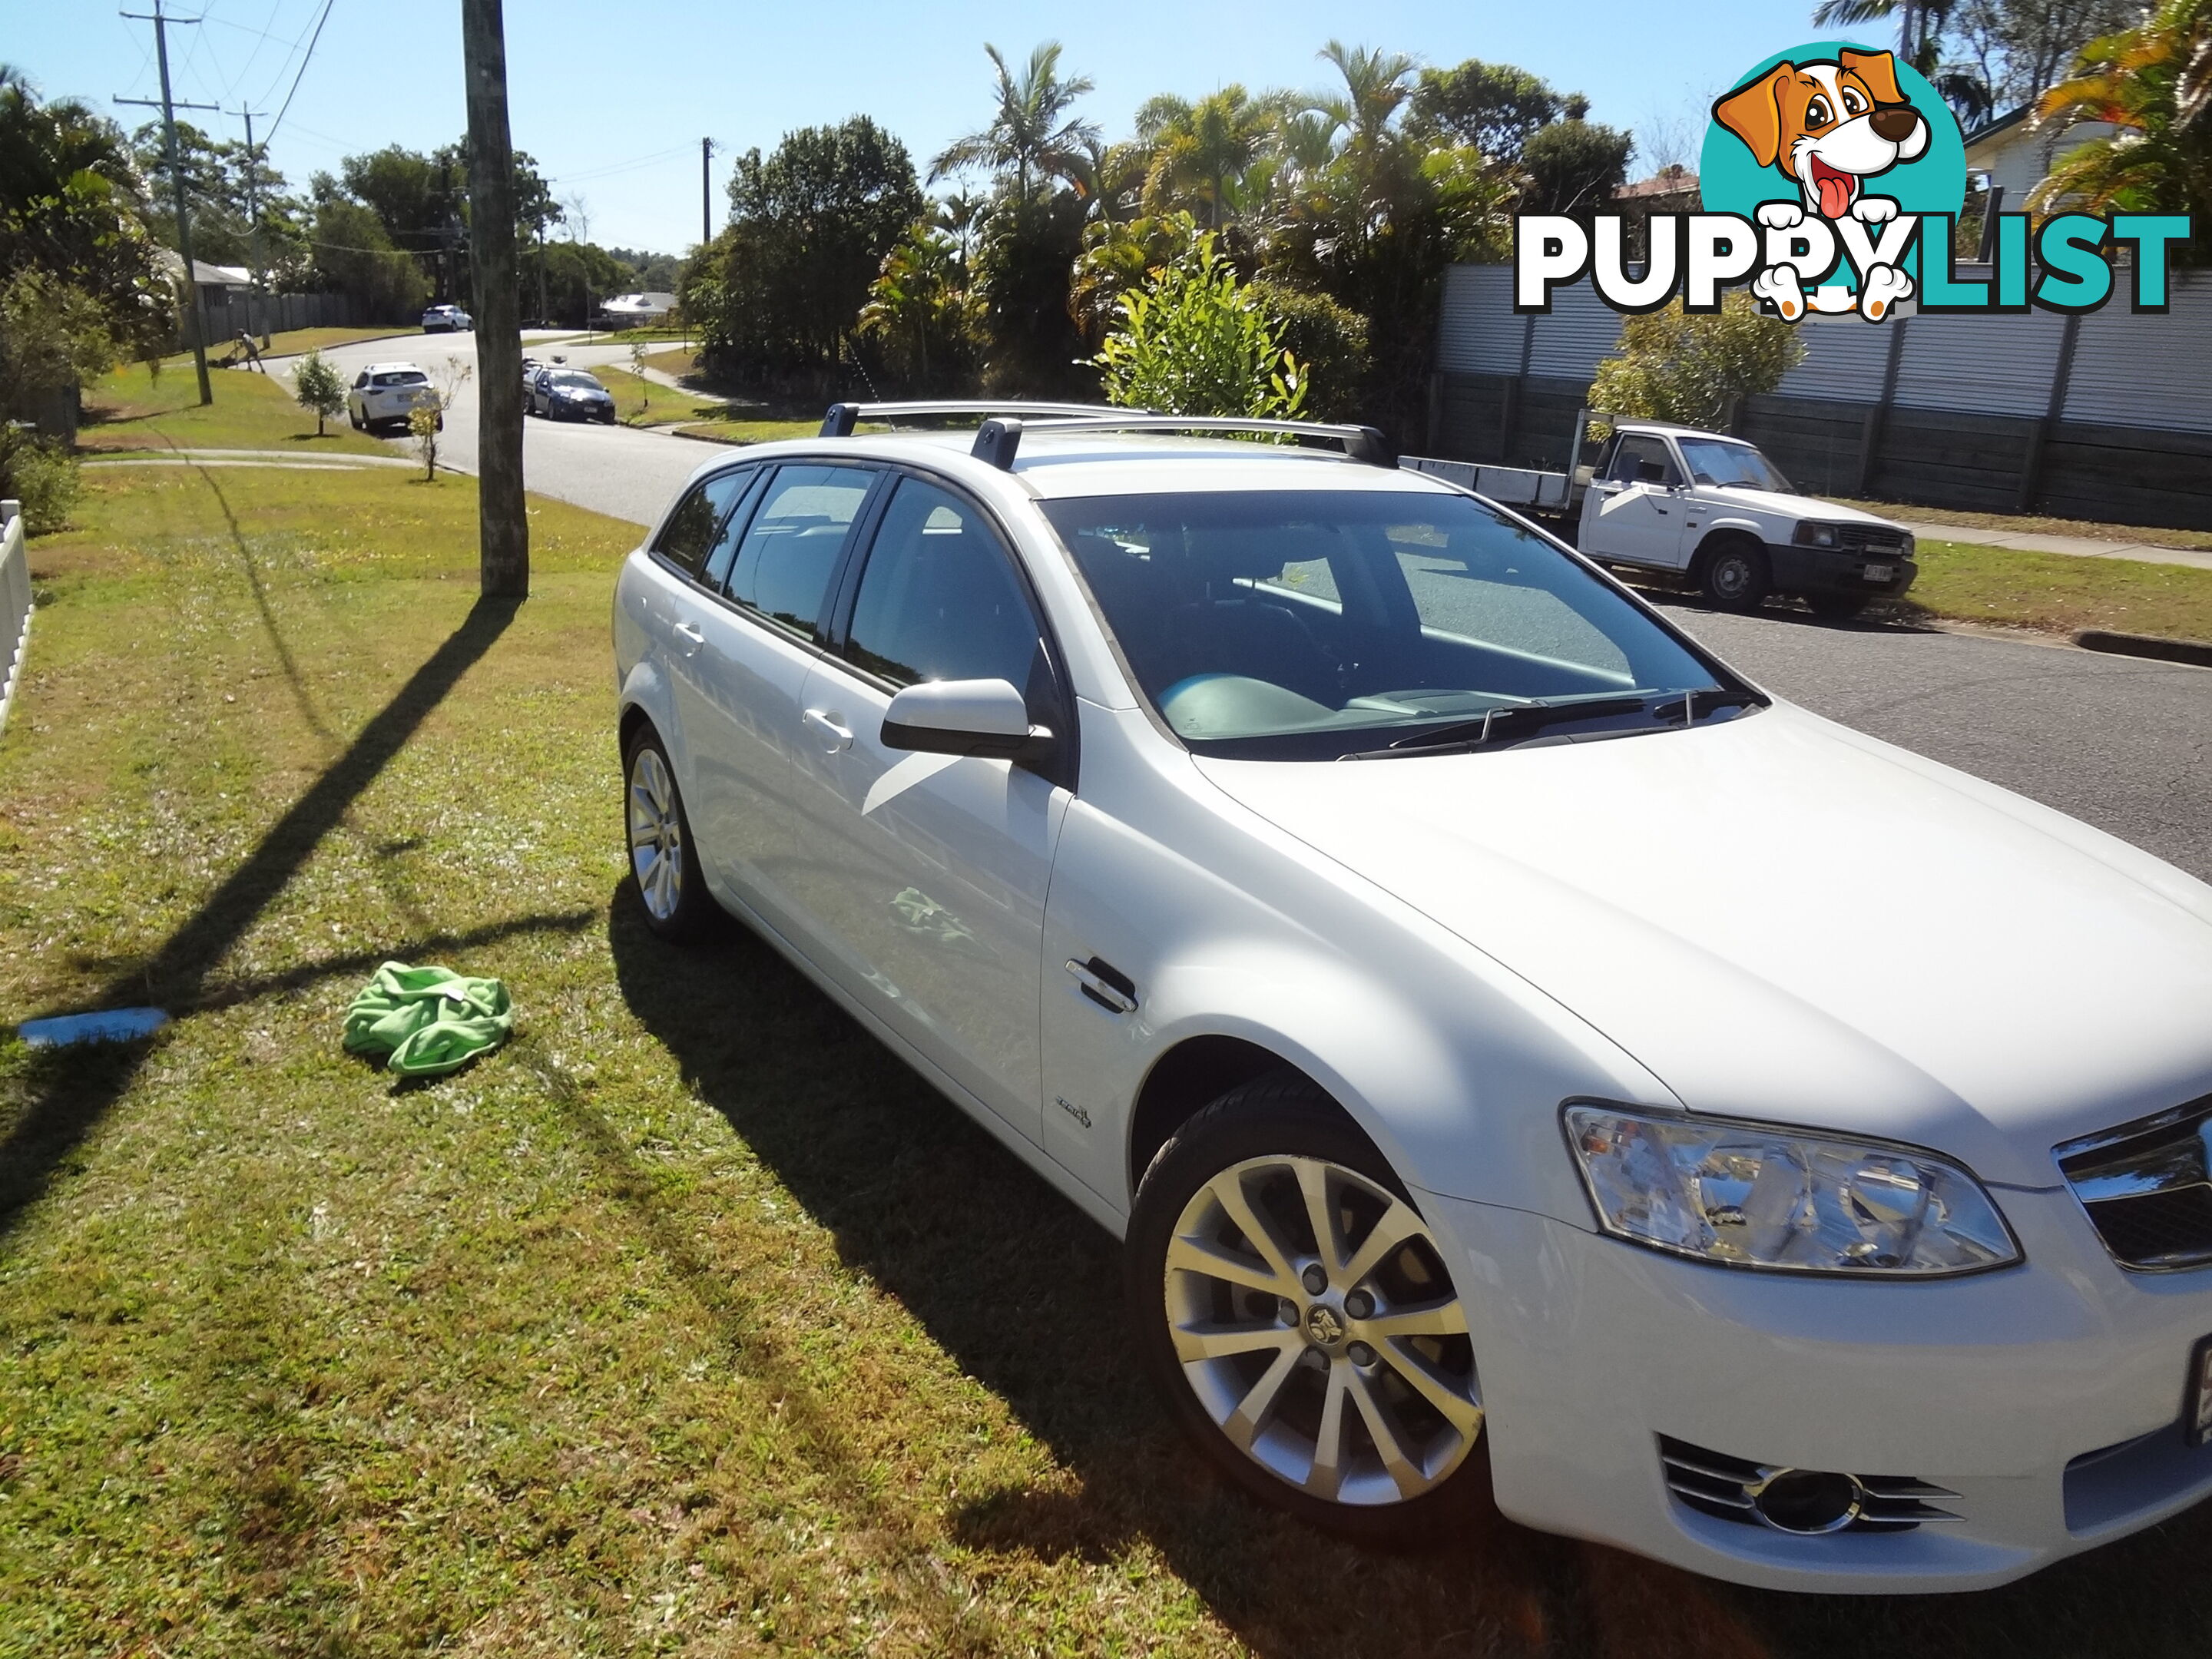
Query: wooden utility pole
{"points": [[503, 540], [169, 108], [706, 193]]}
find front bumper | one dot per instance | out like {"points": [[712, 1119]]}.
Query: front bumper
{"points": [[2047, 1397], [1833, 570]]}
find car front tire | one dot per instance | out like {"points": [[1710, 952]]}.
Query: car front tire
{"points": [[1298, 1318], [661, 852]]}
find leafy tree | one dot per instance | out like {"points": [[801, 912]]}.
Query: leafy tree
{"points": [[1195, 341], [779, 288], [655, 273], [242, 213], [1119, 257], [2154, 81], [1985, 55], [1201, 150], [1493, 106], [1673, 366], [69, 207], [1031, 344], [352, 253], [319, 388], [1031, 136], [1573, 167]]}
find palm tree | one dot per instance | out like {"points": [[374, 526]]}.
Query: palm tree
{"points": [[2154, 83], [1376, 84], [1200, 150], [1032, 133]]}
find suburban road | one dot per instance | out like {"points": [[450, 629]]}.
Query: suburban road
{"points": [[2124, 744]]}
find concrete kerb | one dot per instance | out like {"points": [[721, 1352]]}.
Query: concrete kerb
{"points": [[2197, 654]]}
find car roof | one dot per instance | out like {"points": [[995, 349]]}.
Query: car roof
{"points": [[1054, 464], [1674, 431], [392, 368]]}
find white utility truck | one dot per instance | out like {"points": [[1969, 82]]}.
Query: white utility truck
{"points": [[1707, 508]]}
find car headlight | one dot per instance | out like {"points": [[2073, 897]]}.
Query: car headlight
{"points": [[1816, 535], [1753, 1195]]}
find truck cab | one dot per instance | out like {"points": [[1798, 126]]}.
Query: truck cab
{"points": [[1713, 509]]}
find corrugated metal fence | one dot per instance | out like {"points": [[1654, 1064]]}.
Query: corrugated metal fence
{"points": [[2106, 415]]}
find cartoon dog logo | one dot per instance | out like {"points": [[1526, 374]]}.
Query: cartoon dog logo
{"points": [[1829, 125]]}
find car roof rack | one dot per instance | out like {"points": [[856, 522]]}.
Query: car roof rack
{"points": [[999, 439]]}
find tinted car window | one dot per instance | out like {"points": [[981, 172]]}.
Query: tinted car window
{"points": [[723, 552], [1309, 624], [1638, 450], [690, 534], [790, 546], [940, 599]]}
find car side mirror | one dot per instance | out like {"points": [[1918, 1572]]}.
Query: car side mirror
{"points": [[965, 717]]}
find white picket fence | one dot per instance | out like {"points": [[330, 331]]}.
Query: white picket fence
{"points": [[14, 603]]}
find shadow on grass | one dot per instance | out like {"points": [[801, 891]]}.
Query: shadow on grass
{"points": [[1023, 1293], [79, 1088]]}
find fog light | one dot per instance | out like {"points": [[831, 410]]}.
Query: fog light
{"points": [[1807, 1501]]}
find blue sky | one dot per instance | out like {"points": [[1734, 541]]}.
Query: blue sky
{"points": [[613, 99]]}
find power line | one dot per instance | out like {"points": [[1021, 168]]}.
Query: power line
{"points": [[304, 62]]}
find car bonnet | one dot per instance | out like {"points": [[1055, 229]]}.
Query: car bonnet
{"points": [[1783, 919]]}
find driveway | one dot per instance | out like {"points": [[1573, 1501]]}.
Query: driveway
{"points": [[612, 470]]}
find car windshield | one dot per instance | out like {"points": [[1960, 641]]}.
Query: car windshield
{"points": [[571, 377], [1712, 461], [1310, 625]]}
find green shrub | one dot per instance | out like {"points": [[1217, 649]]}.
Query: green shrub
{"points": [[1195, 341], [1327, 339], [1693, 370], [42, 475], [319, 388]]}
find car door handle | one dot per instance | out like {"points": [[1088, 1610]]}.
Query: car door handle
{"points": [[826, 729], [1105, 985], [693, 638]]}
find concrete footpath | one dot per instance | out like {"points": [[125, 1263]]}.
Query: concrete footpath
{"points": [[2079, 547]]}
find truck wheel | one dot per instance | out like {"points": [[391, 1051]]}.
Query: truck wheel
{"points": [[1735, 576], [1838, 607]]}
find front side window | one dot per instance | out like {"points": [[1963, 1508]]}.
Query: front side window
{"points": [[790, 550], [691, 531], [940, 599], [1641, 459], [1308, 625]]}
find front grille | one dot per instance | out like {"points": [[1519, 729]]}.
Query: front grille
{"points": [[2148, 1187], [1723, 1488], [1869, 538]]}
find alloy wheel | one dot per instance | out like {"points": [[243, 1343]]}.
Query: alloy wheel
{"points": [[1314, 1322], [656, 834]]}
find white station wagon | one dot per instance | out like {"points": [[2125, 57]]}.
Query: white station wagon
{"points": [[1356, 900]]}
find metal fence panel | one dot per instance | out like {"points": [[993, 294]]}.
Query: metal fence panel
{"points": [[2146, 370], [15, 604], [1581, 329], [1981, 365], [1477, 332], [1844, 360]]}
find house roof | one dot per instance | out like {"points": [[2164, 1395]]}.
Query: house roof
{"points": [[1997, 124]]}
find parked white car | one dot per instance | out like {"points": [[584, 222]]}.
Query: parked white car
{"points": [[385, 394], [1457, 987]]}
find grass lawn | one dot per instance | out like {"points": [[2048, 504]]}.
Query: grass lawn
{"points": [[640, 402], [297, 340], [1963, 583], [132, 410], [690, 1323]]}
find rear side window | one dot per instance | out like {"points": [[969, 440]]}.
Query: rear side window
{"points": [[940, 599], [790, 549], [688, 537]]}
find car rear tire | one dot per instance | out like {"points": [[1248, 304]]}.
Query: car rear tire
{"points": [[1734, 575], [1353, 1405], [1838, 607], [661, 852], [353, 415]]}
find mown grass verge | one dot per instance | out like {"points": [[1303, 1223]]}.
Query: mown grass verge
{"points": [[131, 408], [692, 1322], [2060, 593]]}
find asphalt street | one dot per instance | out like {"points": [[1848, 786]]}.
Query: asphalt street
{"points": [[612, 470], [2123, 744], [2118, 742]]}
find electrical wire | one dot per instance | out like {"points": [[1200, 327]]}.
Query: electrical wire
{"points": [[304, 62]]}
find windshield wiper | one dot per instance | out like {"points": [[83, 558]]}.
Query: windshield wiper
{"points": [[1526, 718], [1697, 704]]}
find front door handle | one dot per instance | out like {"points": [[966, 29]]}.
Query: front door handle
{"points": [[828, 730], [693, 638]]}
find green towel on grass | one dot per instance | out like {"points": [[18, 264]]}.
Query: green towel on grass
{"points": [[430, 1019]]}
